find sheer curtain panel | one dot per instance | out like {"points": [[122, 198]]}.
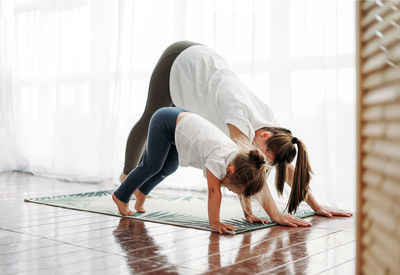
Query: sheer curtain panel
{"points": [[74, 77]]}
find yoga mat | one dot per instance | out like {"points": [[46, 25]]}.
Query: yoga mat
{"points": [[167, 208]]}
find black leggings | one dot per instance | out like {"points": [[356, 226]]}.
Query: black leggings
{"points": [[160, 158], [158, 97]]}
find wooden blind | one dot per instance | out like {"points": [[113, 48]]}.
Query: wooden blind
{"points": [[378, 202]]}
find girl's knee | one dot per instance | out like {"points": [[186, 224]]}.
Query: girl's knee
{"points": [[166, 114], [164, 111], [168, 170]]}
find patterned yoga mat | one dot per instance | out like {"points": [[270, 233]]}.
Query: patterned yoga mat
{"points": [[182, 210]]}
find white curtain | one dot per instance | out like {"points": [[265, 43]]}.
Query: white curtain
{"points": [[74, 77]]}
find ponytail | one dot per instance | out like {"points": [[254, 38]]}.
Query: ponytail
{"points": [[282, 145], [301, 178]]}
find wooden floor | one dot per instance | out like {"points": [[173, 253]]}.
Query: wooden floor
{"points": [[39, 239]]}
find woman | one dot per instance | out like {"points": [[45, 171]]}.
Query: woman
{"points": [[191, 76]]}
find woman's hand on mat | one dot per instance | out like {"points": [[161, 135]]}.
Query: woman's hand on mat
{"points": [[286, 219], [222, 227], [327, 212], [252, 219]]}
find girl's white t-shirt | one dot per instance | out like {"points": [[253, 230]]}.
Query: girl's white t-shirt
{"points": [[203, 83], [202, 145]]}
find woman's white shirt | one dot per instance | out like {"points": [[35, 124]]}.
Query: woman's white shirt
{"points": [[202, 145], [203, 83]]}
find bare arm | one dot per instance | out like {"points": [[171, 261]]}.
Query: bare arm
{"points": [[214, 204], [246, 206], [268, 203], [248, 213]]}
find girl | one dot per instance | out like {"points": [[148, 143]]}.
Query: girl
{"points": [[174, 134], [193, 77]]}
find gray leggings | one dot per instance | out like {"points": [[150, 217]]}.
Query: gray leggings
{"points": [[158, 97]]}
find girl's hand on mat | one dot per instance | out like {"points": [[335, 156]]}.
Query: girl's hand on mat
{"points": [[327, 212], [222, 227], [286, 219], [252, 219]]}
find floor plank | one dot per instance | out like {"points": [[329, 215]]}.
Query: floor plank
{"points": [[39, 239], [271, 253], [348, 267], [320, 262]]}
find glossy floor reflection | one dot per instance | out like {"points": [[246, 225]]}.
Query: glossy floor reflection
{"points": [[38, 239]]}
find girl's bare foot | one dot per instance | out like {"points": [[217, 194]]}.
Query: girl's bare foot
{"points": [[140, 198], [122, 207]]}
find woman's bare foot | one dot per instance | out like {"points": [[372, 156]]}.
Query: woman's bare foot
{"points": [[140, 198], [122, 207]]}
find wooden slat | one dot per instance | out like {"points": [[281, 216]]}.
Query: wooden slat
{"points": [[393, 130], [389, 113], [379, 62], [392, 169], [374, 63], [392, 111], [368, 5], [387, 167], [371, 237], [374, 129], [371, 265], [390, 131], [372, 178], [386, 94], [383, 202], [380, 45], [386, 240], [380, 253], [368, 145], [392, 187], [370, 18], [381, 78], [388, 150], [382, 24], [373, 113], [374, 163], [378, 216], [394, 51]]}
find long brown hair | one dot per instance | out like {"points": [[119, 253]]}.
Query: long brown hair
{"points": [[282, 144], [250, 170]]}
